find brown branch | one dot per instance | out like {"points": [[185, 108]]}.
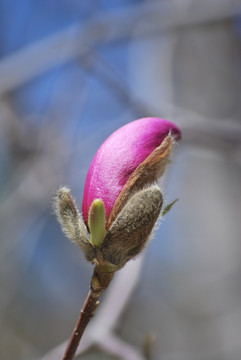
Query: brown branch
{"points": [[86, 315], [105, 321], [99, 283]]}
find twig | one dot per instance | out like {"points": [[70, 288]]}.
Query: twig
{"points": [[86, 315], [99, 283], [108, 314]]}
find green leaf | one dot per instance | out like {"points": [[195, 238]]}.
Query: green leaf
{"points": [[96, 222], [168, 207]]}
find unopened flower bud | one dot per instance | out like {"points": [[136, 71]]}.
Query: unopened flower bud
{"points": [[120, 155], [121, 202]]}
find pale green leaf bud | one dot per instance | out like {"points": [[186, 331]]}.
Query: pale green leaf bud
{"points": [[96, 222]]}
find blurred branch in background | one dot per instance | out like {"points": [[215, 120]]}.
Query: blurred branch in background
{"points": [[78, 40], [198, 129], [31, 192]]}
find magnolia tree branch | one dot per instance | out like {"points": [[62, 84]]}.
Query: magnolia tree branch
{"points": [[105, 321], [99, 283], [86, 315]]}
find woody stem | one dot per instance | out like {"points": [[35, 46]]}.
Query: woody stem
{"points": [[100, 281]]}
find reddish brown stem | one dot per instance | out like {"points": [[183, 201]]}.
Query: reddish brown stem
{"points": [[86, 314], [100, 281]]}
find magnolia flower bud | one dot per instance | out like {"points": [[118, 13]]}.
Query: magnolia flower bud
{"points": [[120, 155], [121, 201]]}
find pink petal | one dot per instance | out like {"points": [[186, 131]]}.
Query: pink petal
{"points": [[119, 156]]}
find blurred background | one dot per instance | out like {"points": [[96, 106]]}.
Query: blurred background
{"points": [[72, 72]]}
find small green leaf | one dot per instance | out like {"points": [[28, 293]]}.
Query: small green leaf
{"points": [[168, 208], [96, 222]]}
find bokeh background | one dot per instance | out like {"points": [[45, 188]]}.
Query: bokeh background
{"points": [[72, 72]]}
